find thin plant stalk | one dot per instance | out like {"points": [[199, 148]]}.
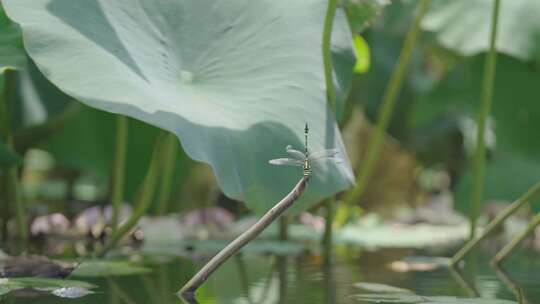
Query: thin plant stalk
{"points": [[328, 225], [331, 98], [144, 200], [496, 222], [169, 159], [284, 228], [479, 160], [13, 190], [510, 247], [119, 169], [188, 290], [387, 107]]}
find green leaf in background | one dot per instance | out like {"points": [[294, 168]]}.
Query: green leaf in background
{"points": [[86, 143], [361, 13], [236, 81], [8, 158], [514, 164], [463, 26], [11, 47]]}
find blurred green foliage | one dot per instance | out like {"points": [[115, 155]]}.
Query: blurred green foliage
{"points": [[8, 158], [464, 25]]}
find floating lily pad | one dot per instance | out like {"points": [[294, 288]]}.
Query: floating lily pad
{"points": [[214, 246], [44, 284], [71, 292], [380, 288], [108, 268], [236, 81], [416, 299], [381, 235]]}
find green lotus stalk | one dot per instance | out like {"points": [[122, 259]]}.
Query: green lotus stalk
{"points": [[169, 160], [496, 222], [144, 199], [13, 190], [331, 98], [479, 160], [387, 107], [119, 169]]}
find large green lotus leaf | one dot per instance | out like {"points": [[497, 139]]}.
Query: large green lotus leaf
{"points": [[465, 25], [235, 80], [11, 47]]}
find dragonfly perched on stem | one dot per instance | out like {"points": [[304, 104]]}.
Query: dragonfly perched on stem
{"points": [[305, 159]]}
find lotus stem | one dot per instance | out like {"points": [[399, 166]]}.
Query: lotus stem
{"points": [[188, 290], [283, 228], [510, 247], [387, 108], [169, 159], [496, 222], [328, 226], [479, 160], [13, 190], [327, 53], [119, 169], [144, 199], [330, 96]]}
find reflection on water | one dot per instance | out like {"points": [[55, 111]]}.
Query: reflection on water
{"points": [[309, 278]]}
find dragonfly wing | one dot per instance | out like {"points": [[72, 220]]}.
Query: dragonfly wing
{"points": [[286, 162], [295, 153], [329, 153], [336, 159]]}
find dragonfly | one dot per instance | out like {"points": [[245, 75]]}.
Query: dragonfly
{"points": [[305, 159]]}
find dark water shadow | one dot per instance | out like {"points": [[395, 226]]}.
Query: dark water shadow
{"points": [[461, 280], [510, 284]]}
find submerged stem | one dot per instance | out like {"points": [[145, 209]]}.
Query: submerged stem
{"points": [[13, 190], [119, 168], [143, 202], [496, 222], [169, 160], [198, 279], [387, 107], [479, 161]]}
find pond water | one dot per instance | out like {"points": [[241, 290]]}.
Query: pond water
{"points": [[308, 278]]}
